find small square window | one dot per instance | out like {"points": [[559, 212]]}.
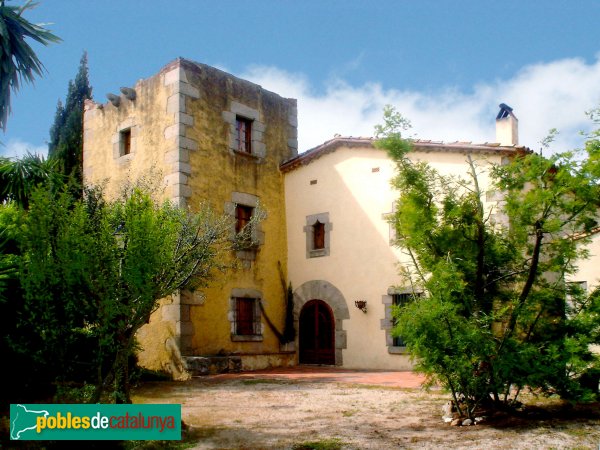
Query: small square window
{"points": [[247, 317], [243, 215], [244, 134], [125, 142]]}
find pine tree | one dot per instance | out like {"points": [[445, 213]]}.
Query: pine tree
{"points": [[66, 134]]}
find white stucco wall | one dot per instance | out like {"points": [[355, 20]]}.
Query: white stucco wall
{"points": [[361, 262], [588, 269]]}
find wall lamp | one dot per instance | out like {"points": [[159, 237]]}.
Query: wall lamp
{"points": [[362, 305]]}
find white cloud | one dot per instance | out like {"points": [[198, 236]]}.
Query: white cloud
{"points": [[18, 148], [544, 96]]}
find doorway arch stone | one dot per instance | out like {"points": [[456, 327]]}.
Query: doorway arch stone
{"points": [[332, 296]]}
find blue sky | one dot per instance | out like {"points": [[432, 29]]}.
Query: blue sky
{"points": [[446, 65]]}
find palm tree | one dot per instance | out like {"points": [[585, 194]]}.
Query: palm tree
{"points": [[19, 177], [18, 61]]}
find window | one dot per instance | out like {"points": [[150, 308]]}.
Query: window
{"points": [[318, 230], [246, 233], [125, 142], [399, 300], [246, 131], [244, 134], [247, 317], [243, 214], [396, 297], [318, 235]]}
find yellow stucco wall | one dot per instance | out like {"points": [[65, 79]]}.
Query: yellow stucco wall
{"points": [[182, 140], [353, 186], [220, 173], [102, 122], [101, 166]]}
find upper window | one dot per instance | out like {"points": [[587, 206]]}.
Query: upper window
{"points": [[244, 134], [247, 317], [246, 131], [125, 142], [318, 230], [243, 215], [318, 235]]}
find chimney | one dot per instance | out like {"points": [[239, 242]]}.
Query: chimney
{"points": [[507, 126]]}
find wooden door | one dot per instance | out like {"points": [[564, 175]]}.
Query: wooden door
{"points": [[317, 334]]}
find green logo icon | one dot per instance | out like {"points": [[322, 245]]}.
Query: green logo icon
{"points": [[95, 422]]}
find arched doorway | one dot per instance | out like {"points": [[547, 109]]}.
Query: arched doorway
{"points": [[317, 334]]}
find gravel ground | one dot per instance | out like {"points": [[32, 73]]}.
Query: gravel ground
{"points": [[283, 413]]}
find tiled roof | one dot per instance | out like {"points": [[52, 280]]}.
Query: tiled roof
{"points": [[421, 145]]}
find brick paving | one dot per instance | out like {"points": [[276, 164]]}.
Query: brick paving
{"points": [[400, 379]]}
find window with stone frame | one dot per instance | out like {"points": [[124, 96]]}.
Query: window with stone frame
{"points": [[318, 235], [243, 215], [125, 142], [246, 131], [247, 317], [399, 300], [243, 127], [396, 298], [242, 208]]}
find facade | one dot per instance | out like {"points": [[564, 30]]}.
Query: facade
{"points": [[345, 185], [208, 136]]}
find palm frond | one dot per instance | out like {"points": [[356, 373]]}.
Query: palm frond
{"points": [[18, 61], [19, 177]]}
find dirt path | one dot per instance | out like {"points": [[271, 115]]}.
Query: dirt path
{"points": [[356, 410]]}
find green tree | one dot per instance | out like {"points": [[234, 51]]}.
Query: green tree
{"points": [[18, 61], [494, 318], [98, 270], [66, 133]]}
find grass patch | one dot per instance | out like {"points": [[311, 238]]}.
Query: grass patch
{"points": [[159, 445], [190, 438], [324, 444], [349, 413], [206, 432], [576, 432]]}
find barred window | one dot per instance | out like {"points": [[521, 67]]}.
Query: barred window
{"points": [[400, 300]]}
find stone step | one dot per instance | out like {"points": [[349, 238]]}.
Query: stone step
{"points": [[210, 365]]}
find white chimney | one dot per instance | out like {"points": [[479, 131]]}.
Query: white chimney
{"points": [[507, 126]]}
